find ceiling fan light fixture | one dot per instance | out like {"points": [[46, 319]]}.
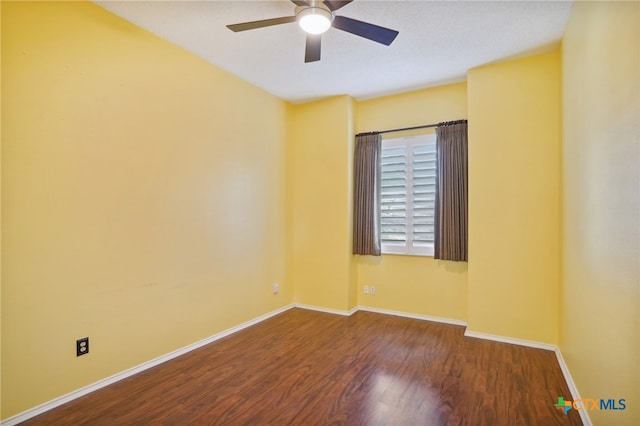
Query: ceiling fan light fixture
{"points": [[315, 20], [316, 17]]}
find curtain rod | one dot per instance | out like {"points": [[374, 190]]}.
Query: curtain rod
{"points": [[425, 126]]}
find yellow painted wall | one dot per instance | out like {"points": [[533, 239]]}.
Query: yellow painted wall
{"points": [[443, 103], [320, 143], [150, 200], [353, 263], [599, 327], [0, 220], [413, 284], [143, 199], [515, 197]]}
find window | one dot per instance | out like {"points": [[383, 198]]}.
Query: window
{"points": [[408, 195]]}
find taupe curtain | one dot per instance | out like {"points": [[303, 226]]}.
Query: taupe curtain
{"points": [[366, 194], [451, 207]]}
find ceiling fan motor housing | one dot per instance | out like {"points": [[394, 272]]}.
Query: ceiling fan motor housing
{"points": [[315, 18]]}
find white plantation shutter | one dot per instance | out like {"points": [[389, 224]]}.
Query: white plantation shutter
{"points": [[424, 192], [394, 194], [408, 195]]}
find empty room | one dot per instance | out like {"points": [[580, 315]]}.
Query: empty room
{"points": [[320, 212]]}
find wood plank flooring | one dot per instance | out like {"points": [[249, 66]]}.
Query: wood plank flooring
{"points": [[311, 368]]}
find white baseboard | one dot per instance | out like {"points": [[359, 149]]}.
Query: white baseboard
{"points": [[326, 310], [35, 411], [380, 311], [512, 340], [413, 316], [584, 416]]}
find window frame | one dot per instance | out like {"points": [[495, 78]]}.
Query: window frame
{"points": [[408, 248]]}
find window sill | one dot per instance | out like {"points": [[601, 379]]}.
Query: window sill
{"points": [[406, 254], [401, 250]]}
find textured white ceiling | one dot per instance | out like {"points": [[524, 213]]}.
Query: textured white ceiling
{"points": [[438, 41]]}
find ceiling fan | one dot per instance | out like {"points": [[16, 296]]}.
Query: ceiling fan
{"points": [[316, 17]]}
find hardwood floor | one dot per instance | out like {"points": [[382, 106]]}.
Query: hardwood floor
{"points": [[306, 368]]}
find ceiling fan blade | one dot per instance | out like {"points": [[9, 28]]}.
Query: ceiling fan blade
{"points": [[334, 5], [312, 51], [364, 29], [300, 2], [260, 24]]}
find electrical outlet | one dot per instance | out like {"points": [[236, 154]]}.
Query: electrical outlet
{"points": [[366, 289], [372, 290], [82, 346], [276, 288]]}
